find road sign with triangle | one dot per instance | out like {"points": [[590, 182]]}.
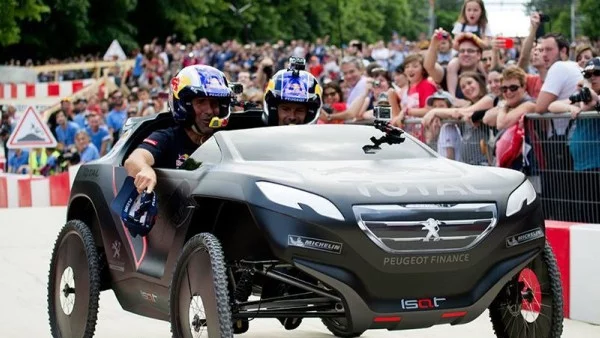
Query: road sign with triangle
{"points": [[114, 49], [31, 132]]}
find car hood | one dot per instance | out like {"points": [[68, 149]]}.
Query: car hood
{"points": [[407, 180]]}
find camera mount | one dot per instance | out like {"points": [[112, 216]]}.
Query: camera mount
{"points": [[393, 135]]}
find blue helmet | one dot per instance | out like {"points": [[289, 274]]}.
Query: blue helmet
{"points": [[293, 86], [198, 81]]}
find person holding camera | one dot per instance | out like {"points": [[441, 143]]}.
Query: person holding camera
{"points": [[584, 145], [332, 111], [363, 107]]}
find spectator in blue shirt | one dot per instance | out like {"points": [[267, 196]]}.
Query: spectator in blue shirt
{"points": [[99, 135], [117, 116], [65, 130], [87, 151], [81, 113], [18, 161]]}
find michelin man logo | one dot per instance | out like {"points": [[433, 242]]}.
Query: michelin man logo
{"points": [[433, 228]]}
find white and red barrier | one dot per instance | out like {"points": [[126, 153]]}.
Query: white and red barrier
{"points": [[577, 248], [19, 91], [21, 191]]}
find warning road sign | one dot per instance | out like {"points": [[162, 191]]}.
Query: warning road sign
{"points": [[31, 132]]}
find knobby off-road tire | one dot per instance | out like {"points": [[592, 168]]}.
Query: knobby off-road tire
{"points": [[74, 283], [199, 285], [506, 311], [339, 327]]}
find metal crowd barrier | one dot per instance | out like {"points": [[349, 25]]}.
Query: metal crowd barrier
{"points": [[562, 158], [567, 161]]}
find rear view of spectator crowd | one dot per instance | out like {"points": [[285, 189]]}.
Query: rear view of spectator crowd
{"points": [[465, 93]]}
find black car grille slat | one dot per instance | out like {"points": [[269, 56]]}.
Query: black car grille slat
{"points": [[426, 227]]}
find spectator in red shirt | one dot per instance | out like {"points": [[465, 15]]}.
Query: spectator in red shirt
{"points": [[315, 67], [415, 102]]}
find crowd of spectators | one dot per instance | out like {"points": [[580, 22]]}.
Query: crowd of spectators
{"points": [[468, 91]]}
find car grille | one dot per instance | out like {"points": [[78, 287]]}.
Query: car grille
{"points": [[426, 227]]}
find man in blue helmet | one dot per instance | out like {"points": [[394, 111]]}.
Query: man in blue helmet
{"points": [[199, 99], [293, 96]]}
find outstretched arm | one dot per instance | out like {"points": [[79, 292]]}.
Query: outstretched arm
{"points": [[139, 166]]}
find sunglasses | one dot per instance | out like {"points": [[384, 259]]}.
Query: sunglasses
{"points": [[512, 88], [467, 51], [329, 94], [588, 75]]}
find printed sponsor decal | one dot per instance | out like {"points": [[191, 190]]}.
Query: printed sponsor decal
{"points": [[148, 296], [524, 237], [150, 141], [315, 244], [424, 260], [421, 304]]}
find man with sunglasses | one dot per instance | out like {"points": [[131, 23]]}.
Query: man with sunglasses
{"points": [[509, 116]]}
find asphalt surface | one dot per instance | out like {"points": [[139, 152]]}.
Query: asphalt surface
{"points": [[26, 240]]}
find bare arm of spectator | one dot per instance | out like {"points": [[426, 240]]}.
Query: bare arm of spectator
{"points": [[507, 119], [565, 106], [528, 43], [452, 75], [491, 116], [441, 113], [484, 103], [358, 107], [543, 101], [261, 77], [495, 54], [394, 100], [417, 112], [139, 166], [434, 69]]}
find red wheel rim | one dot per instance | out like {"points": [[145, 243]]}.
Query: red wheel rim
{"points": [[532, 295]]}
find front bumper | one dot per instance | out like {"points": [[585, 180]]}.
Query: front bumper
{"points": [[375, 283]]}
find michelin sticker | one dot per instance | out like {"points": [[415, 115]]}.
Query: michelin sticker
{"points": [[315, 244], [524, 237]]}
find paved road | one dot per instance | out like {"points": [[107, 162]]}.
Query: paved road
{"points": [[26, 240]]}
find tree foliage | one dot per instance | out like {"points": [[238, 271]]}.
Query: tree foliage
{"points": [[41, 29], [590, 25], [16, 13]]}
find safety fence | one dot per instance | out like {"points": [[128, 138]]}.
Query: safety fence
{"points": [[560, 156]]}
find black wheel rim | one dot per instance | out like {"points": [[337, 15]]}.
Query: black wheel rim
{"points": [[527, 306], [71, 302], [198, 316]]}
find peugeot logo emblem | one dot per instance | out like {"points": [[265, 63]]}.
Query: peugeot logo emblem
{"points": [[433, 228]]}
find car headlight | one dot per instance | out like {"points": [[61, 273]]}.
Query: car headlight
{"points": [[524, 193], [294, 198]]}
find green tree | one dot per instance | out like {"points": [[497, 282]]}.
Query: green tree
{"points": [[108, 20], [447, 12], [590, 25], [14, 14], [558, 11]]}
